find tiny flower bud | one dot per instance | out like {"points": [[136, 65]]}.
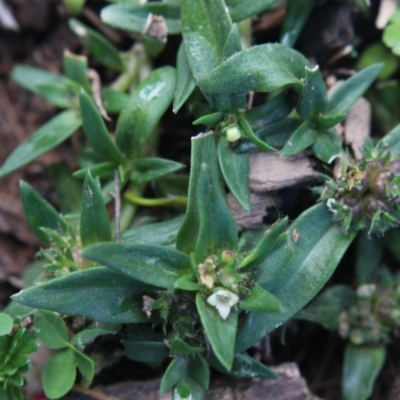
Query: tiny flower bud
{"points": [[233, 134]]}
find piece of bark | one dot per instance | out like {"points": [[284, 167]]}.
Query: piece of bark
{"points": [[268, 171], [290, 386], [253, 219], [357, 126]]}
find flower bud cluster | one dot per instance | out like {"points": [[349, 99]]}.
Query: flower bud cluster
{"points": [[374, 314], [367, 196]]}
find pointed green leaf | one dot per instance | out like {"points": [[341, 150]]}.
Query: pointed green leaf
{"points": [[217, 228], [250, 135], [185, 82], [245, 366], [271, 111], [327, 147], [176, 371], [31, 77], [152, 264], [261, 301], [391, 142], [232, 76], [302, 137], [233, 43], [203, 151], [187, 283], [198, 370], [315, 97], [76, 69], [296, 15], [151, 353], [39, 213], [48, 136], [179, 347], [6, 324], [325, 309], [369, 257], [210, 119], [325, 122], [206, 25], [85, 364], [100, 47], [362, 365], [220, 333], [103, 170], [94, 222], [317, 246], [87, 336], [151, 168], [352, 89], [113, 100], [63, 95], [134, 18], [162, 233], [97, 132], [265, 245], [59, 374], [99, 294], [52, 329], [241, 10], [235, 169], [144, 110]]}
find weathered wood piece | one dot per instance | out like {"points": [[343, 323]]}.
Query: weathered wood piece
{"points": [[268, 171], [290, 386]]}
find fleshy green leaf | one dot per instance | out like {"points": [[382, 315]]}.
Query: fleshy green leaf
{"points": [[6, 324], [296, 15], [217, 228], [203, 151], [101, 48], [317, 246], [241, 10], [144, 110], [31, 77], [368, 257], [179, 347], [94, 223], [260, 300], [391, 141], [151, 353], [235, 169], [274, 110], [63, 95], [99, 294], [113, 100], [352, 89], [39, 213], [233, 43], [176, 370], [185, 82], [187, 283], [325, 309], [76, 69], [87, 336], [245, 366], [210, 119], [362, 365], [151, 168], [162, 233], [52, 329], [302, 137], [258, 62], [48, 136], [206, 25], [96, 131], [315, 97], [103, 170], [220, 333], [325, 122], [85, 364], [152, 264], [250, 135], [134, 18], [265, 245], [327, 146], [59, 374]]}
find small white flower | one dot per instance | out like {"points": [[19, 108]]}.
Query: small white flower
{"points": [[223, 300]]}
